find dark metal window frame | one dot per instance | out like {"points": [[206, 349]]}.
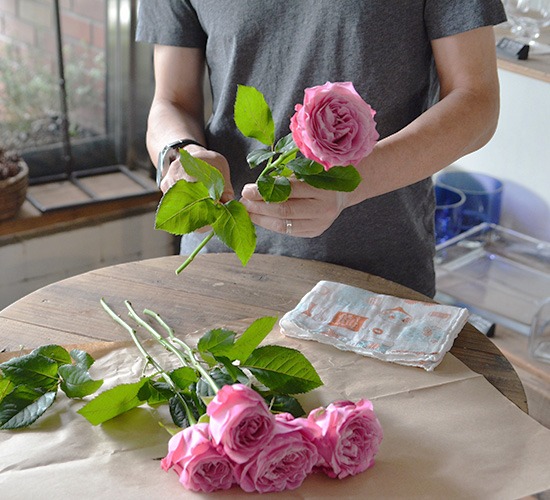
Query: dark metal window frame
{"points": [[129, 87]]}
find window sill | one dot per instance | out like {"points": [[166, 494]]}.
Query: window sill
{"points": [[30, 222]]}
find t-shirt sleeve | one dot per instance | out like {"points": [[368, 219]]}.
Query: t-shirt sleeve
{"points": [[449, 17], [169, 22]]}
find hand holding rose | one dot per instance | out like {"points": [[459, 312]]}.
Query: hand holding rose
{"points": [[311, 210], [334, 129], [176, 171]]}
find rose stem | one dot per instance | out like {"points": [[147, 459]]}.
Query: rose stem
{"points": [[150, 359], [195, 252], [188, 350], [275, 164]]}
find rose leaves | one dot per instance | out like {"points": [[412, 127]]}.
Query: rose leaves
{"points": [[254, 119], [188, 206], [29, 383], [281, 371]]}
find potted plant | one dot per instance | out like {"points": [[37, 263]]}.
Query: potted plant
{"points": [[14, 174]]}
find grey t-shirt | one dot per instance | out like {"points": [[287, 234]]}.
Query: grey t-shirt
{"points": [[282, 47]]}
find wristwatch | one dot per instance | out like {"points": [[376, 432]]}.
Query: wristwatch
{"points": [[166, 155]]}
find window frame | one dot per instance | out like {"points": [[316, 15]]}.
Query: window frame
{"points": [[129, 90]]}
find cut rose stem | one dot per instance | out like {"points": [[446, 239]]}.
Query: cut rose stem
{"points": [[190, 356], [149, 358]]}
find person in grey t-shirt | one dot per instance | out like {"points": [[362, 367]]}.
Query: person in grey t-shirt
{"points": [[428, 68]]}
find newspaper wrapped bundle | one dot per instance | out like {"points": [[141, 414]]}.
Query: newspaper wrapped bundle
{"points": [[388, 328]]}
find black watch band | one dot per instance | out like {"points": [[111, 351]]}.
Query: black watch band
{"points": [[164, 155]]}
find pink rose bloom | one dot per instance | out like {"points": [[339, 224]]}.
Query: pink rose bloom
{"points": [[334, 126], [240, 421], [284, 417], [197, 461], [350, 437], [283, 463], [308, 427]]}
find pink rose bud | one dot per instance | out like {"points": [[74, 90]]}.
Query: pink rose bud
{"points": [[350, 437], [196, 460], [240, 421], [282, 464], [334, 126]]}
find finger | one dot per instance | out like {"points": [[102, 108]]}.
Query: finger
{"points": [[298, 227], [295, 208], [299, 189], [251, 192]]}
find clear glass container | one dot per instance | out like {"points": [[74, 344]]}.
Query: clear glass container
{"points": [[539, 337], [502, 275]]}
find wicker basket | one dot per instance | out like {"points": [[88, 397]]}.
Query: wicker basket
{"points": [[13, 191]]}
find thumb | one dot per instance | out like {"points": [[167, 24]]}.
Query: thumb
{"points": [[250, 192]]}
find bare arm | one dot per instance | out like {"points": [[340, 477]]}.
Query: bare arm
{"points": [[462, 121], [177, 111]]}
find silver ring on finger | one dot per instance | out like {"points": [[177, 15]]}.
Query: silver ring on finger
{"points": [[288, 226]]}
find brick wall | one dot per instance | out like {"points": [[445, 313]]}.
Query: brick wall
{"points": [[30, 23], [27, 34]]}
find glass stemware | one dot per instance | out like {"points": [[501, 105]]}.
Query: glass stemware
{"points": [[527, 18]]}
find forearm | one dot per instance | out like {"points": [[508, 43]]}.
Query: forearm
{"points": [[169, 122], [177, 110], [458, 125], [462, 121]]}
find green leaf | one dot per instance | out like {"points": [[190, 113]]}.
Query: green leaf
{"points": [[6, 386], [159, 392], [55, 352], [258, 156], [23, 406], [236, 374], [186, 207], [113, 402], [82, 358], [335, 179], [216, 341], [177, 410], [280, 403], [273, 189], [220, 377], [251, 338], [33, 370], [76, 381], [235, 229], [198, 400], [183, 377], [145, 391], [210, 177], [283, 369], [253, 116], [285, 144], [203, 419], [304, 166]]}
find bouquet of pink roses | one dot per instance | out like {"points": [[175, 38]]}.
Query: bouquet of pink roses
{"points": [[244, 444]]}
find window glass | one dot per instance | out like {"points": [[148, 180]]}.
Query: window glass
{"points": [[101, 110], [31, 98]]}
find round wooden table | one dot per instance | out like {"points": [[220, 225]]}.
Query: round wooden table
{"points": [[215, 290]]}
